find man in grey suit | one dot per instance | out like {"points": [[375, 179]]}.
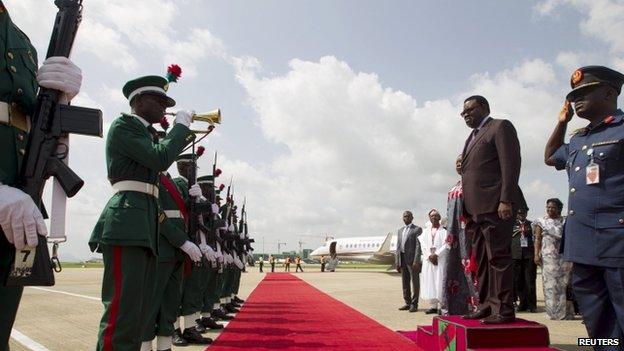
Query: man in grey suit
{"points": [[408, 261]]}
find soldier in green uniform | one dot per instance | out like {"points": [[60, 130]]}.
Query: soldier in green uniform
{"points": [[218, 313], [191, 298], [20, 219], [172, 244], [127, 231], [212, 270]]}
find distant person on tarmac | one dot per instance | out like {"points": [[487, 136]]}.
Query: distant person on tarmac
{"points": [[261, 263], [323, 263], [287, 265], [298, 261], [272, 262]]}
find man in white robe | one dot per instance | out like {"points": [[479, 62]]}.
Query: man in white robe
{"points": [[434, 249]]}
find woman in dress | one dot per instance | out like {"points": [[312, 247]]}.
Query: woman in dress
{"points": [[459, 295], [556, 272]]}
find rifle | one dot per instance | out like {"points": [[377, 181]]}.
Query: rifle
{"points": [[195, 222], [45, 150]]}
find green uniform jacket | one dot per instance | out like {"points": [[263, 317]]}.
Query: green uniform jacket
{"points": [[172, 230], [130, 218], [18, 87]]}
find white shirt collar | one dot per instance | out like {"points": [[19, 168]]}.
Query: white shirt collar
{"points": [[483, 122], [141, 119]]}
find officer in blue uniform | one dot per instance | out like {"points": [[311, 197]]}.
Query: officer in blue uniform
{"points": [[594, 230]]}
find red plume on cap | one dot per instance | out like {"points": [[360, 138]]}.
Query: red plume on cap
{"points": [[200, 151], [164, 124], [217, 172], [173, 73], [222, 186]]}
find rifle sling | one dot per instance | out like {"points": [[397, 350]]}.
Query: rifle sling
{"points": [[175, 195]]}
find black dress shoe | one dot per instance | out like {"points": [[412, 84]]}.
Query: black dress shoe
{"points": [[209, 323], [404, 308], [194, 337], [478, 315], [225, 313], [532, 309], [498, 319], [231, 309], [236, 299], [431, 311], [414, 308], [219, 314], [200, 328], [234, 304], [177, 338]]}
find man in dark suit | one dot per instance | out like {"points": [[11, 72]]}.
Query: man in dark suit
{"points": [[490, 172], [524, 267], [408, 261]]}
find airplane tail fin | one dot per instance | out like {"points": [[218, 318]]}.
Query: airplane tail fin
{"points": [[385, 247]]}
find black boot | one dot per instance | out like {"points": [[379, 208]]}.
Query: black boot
{"points": [[209, 323], [219, 314], [194, 337], [230, 308], [177, 338], [237, 300], [199, 327]]}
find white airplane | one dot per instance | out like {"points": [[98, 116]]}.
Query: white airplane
{"points": [[371, 249]]}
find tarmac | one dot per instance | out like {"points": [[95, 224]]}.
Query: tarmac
{"points": [[66, 316]]}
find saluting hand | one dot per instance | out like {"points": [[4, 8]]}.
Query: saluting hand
{"points": [[566, 113]]}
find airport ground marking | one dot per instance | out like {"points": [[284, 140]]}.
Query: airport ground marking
{"points": [[26, 341], [67, 293]]}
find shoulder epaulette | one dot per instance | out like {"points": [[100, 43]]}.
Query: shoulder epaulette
{"points": [[578, 131]]}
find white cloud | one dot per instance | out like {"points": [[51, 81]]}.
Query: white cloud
{"points": [[360, 153], [604, 19]]}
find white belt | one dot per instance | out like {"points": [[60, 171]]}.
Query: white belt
{"points": [[13, 118], [173, 213], [133, 185]]}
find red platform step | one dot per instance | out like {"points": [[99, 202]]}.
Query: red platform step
{"points": [[452, 333]]}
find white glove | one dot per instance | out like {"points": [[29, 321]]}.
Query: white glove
{"points": [[220, 257], [208, 252], [229, 258], [241, 235], [192, 251], [238, 262], [195, 190], [184, 118], [215, 209], [60, 73], [20, 219]]}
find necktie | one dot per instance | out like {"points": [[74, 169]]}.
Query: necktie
{"points": [[473, 136]]}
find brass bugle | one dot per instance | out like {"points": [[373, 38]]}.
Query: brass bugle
{"points": [[211, 117]]}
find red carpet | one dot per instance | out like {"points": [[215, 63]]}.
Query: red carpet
{"points": [[286, 313]]}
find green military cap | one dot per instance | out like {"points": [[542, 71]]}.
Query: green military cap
{"points": [[207, 179], [217, 193], [185, 158], [591, 76], [148, 85]]}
